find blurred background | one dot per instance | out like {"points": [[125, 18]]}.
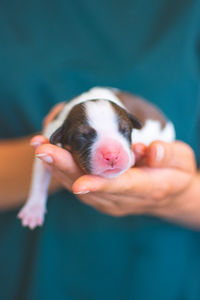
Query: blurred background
{"points": [[51, 51]]}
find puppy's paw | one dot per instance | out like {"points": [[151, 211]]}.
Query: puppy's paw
{"points": [[32, 215]]}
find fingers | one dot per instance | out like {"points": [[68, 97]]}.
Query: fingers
{"points": [[38, 140], [139, 149], [52, 114], [101, 203], [171, 155], [58, 158], [134, 178]]}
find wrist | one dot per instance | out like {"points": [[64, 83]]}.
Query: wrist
{"points": [[184, 208]]}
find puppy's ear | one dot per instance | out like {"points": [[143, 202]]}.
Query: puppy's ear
{"points": [[135, 122], [57, 136]]}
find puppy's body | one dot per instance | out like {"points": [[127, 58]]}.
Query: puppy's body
{"points": [[98, 127]]}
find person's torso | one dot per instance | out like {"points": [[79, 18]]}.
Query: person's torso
{"points": [[51, 51]]}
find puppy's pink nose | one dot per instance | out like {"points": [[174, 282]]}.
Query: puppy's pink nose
{"points": [[111, 158]]}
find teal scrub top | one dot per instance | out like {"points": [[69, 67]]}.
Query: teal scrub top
{"points": [[51, 51]]}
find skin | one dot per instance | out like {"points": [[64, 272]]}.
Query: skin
{"points": [[164, 183], [16, 160], [14, 179]]}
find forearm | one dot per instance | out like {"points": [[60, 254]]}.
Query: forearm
{"points": [[16, 157], [16, 160], [186, 208]]}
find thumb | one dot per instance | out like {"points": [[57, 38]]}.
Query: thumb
{"points": [[58, 158], [176, 155]]}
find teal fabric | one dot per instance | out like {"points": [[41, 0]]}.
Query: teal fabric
{"points": [[51, 51]]}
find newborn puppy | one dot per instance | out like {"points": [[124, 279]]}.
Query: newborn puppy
{"points": [[98, 128]]}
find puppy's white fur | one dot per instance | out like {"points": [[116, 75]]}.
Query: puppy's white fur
{"points": [[152, 131], [101, 116]]}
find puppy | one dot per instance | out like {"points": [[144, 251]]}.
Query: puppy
{"points": [[98, 127]]}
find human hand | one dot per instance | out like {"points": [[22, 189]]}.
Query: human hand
{"points": [[158, 185], [72, 172], [166, 173]]}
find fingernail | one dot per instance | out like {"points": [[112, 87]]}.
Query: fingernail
{"points": [[35, 144], [47, 158], [159, 152], [81, 192]]}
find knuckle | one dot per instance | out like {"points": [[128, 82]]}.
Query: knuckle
{"points": [[192, 159], [160, 193], [187, 149], [189, 156], [86, 200]]}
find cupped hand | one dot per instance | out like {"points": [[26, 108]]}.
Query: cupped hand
{"points": [[166, 172], [163, 174]]}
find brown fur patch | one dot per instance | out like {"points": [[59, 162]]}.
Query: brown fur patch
{"points": [[140, 108]]}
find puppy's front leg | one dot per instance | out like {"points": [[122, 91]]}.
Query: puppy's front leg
{"points": [[32, 213]]}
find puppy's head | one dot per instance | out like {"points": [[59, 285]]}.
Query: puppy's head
{"points": [[98, 133]]}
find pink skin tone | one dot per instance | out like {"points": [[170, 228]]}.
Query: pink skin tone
{"points": [[39, 141], [36, 218], [148, 188], [110, 159]]}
